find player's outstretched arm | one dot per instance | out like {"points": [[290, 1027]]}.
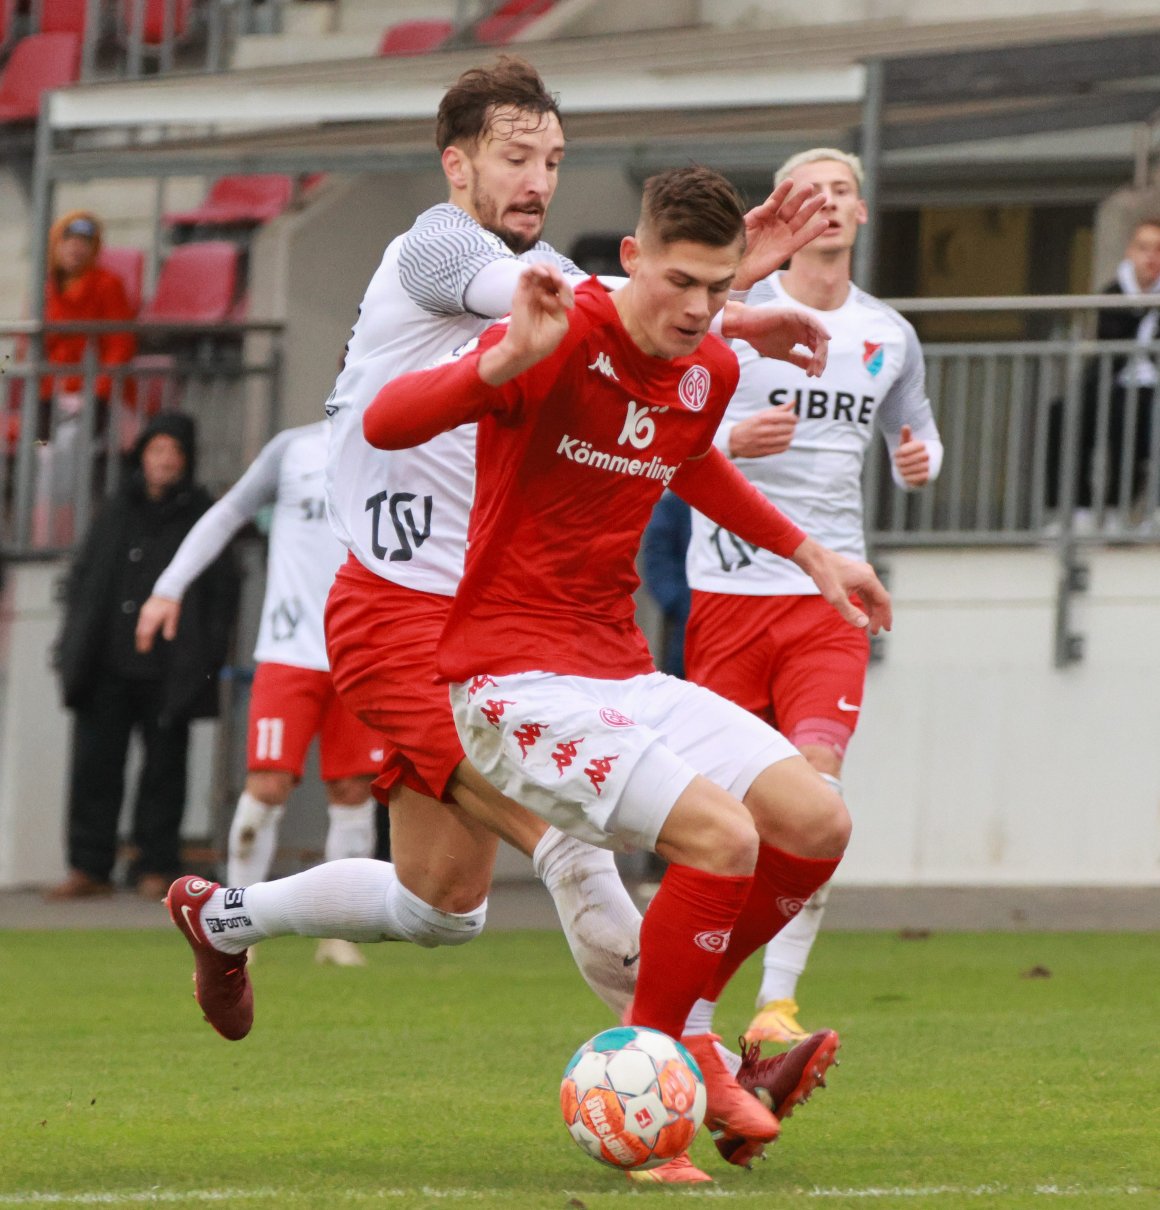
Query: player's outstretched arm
{"points": [[158, 614], [414, 408], [783, 333], [786, 221], [715, 487]]}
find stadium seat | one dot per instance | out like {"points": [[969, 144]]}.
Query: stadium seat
{"points": [[38, 63], [236, 200], [62, 16], [197, 284], [129, 265], [414, 37], [153, 29], [508, 20]]}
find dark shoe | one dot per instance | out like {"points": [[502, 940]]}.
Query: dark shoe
{"points": [[78, 885], [221, 985]]}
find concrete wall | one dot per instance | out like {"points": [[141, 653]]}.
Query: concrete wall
{"points": [[976, 762]]}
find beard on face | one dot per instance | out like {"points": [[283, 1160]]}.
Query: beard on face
{"points": [[488, 212]]}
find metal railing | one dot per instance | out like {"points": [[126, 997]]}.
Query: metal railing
{"points": [[1052, 442], [63, 450]]}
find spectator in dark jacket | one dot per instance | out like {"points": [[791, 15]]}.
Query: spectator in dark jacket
{"points": [[113, 689], [663, 550]]}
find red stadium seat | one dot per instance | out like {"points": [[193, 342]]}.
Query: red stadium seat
{"points": [[38, 63], [62, 16], [238, 199], [129, 265], [197, 284], [509, 19], [414, 37], [153, 29]]}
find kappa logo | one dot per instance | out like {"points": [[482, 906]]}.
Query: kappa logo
{"points": [[564, 754], [527, 735], [873, 357], [603, 365], [614, 718], [790, 907], [493, 709], [714, 941], [598, 771], [693, 389], [478, 683]]}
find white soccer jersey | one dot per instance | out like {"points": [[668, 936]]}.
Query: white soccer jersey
{"points": [[304, 554], [874, 376], [404, 513]]}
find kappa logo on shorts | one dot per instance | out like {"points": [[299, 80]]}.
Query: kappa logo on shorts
{"points": [[614, 718], [478, 683], [527, 735], [715, 941], [790, 907], [565, 754], [598, 771], [235, 897], [493, 709], [693, 389]]}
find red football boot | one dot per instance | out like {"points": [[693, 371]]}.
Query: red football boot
{"points": [[221, 985]]}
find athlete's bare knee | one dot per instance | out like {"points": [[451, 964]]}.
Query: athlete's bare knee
{"points": [[349, 791], [711, 832], [269, 786]]}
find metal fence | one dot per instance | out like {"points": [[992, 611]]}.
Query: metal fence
{"points": [[63, 450]]}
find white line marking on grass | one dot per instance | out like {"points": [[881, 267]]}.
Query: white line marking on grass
{"points": [[158, 1196]]}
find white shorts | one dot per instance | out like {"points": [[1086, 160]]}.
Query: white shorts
{"points": [[606, 760]]}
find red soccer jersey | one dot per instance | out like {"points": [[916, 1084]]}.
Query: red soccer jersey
{"points": [[569, 465]]}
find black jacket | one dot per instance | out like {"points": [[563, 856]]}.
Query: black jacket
{"points": [[130, 542]]}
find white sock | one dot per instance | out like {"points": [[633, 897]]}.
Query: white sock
{"points": [[351, 832], [354, 898], [605, 942], [700, 1018], [253, 840], [731, 1060]]}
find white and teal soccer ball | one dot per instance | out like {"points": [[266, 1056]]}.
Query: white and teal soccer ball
{"points": [[632, 1098]]}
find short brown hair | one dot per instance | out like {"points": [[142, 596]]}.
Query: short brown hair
{"points": [[468, 105], [695, 204]]}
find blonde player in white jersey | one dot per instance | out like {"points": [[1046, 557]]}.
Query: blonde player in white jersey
{"points": [[758, 633], [293, 698]]}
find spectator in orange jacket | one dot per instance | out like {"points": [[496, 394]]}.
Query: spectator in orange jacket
{"points": [[79, 289]]}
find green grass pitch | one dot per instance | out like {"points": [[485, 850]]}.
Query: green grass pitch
{"points": [[430, 1078]]}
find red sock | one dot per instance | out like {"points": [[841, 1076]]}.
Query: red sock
{"points": [[684, 933], [781, 885]]}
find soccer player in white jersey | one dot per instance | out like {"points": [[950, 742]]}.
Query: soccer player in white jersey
{"points": [[585, 413], [293, 698], [758, 633], [404, 517]]}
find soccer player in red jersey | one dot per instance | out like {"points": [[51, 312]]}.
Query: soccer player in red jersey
{"points": [[588, 405]]}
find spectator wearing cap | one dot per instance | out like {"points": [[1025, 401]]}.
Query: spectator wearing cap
{"points": [[113, 689], [78, 290]]}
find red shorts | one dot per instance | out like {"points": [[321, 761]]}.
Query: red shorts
{"points": [[381, 639], [792, 661], [288, 708]]}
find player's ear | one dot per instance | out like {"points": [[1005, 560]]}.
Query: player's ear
{"points": [[454, 161], [629, 254], [862, 214]]}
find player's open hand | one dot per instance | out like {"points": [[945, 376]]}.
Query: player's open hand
{"points": [[769, 432], [912, 459], [786, 221], [538, 322], [839, 578], [157, 614], [784, 333]]}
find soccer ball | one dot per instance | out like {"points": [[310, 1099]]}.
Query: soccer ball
{"points": [[632, 1098]]}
